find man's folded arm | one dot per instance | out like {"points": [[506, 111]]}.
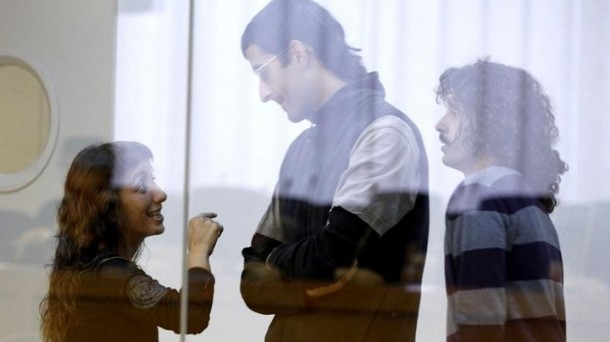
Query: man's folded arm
{"points": [[318, 256]]}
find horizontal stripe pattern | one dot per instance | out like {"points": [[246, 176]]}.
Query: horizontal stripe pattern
{"points": [[503, 263], [486, 229], [542, 329], [475, 270], [518, 300], [493, 267]]}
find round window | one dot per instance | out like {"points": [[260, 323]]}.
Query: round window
{"points": [[29, 117]]}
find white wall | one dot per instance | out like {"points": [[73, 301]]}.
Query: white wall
{"points": [[73, 42]]}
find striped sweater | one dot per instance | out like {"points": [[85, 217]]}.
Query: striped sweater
{"points": [[503, 264]]}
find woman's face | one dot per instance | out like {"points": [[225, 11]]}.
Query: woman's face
{"points": [[140, 199]]}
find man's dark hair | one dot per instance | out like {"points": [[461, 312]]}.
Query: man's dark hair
{"points": [[281, 21], [511, 118]]}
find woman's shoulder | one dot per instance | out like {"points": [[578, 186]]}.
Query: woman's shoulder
{"points": [[114, 265], [107, 276]]}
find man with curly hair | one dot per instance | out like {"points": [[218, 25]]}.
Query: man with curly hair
{"points": [[503, 263]]}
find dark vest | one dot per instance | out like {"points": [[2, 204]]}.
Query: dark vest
{"points": [[315, 162]]}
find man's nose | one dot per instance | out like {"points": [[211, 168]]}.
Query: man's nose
{"points": [[265, 91], [440, 125]]}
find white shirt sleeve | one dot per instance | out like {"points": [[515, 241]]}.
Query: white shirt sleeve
{"points": [[382, 180]]}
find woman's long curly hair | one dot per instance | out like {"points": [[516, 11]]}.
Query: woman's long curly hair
{"points": [[512, 118], [89, 221]]}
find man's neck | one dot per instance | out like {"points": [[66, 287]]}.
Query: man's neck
{"points": [[478, 165], [329, 86]]}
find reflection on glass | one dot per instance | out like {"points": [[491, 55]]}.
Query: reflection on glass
{"points": [[503, 262], [97, 289]]}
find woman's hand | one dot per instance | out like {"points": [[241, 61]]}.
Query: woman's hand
{"points": [[203, 232]]}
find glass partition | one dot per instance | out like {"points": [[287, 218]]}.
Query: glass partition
{"points": [[237, 143]]}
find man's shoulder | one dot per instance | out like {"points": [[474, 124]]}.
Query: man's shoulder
{"points": [[504, 193], [390, 122]]}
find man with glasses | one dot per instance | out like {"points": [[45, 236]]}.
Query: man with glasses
{"points": [[339, 254]]}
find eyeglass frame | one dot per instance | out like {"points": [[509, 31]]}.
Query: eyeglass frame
{"points": [[258, 71]]}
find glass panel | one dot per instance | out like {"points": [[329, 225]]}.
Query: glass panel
{"points": [[226, 156]]}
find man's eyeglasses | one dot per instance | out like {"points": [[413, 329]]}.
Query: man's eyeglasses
{"points": [[259, 70]]}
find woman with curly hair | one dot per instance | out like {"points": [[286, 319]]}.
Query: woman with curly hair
{"points": [[97, 292], [503, 263]]}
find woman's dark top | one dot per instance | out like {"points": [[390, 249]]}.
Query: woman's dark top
{"points": [[117, 301]]}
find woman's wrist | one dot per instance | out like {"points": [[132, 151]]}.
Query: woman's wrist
{"points": [[199, 258]]}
